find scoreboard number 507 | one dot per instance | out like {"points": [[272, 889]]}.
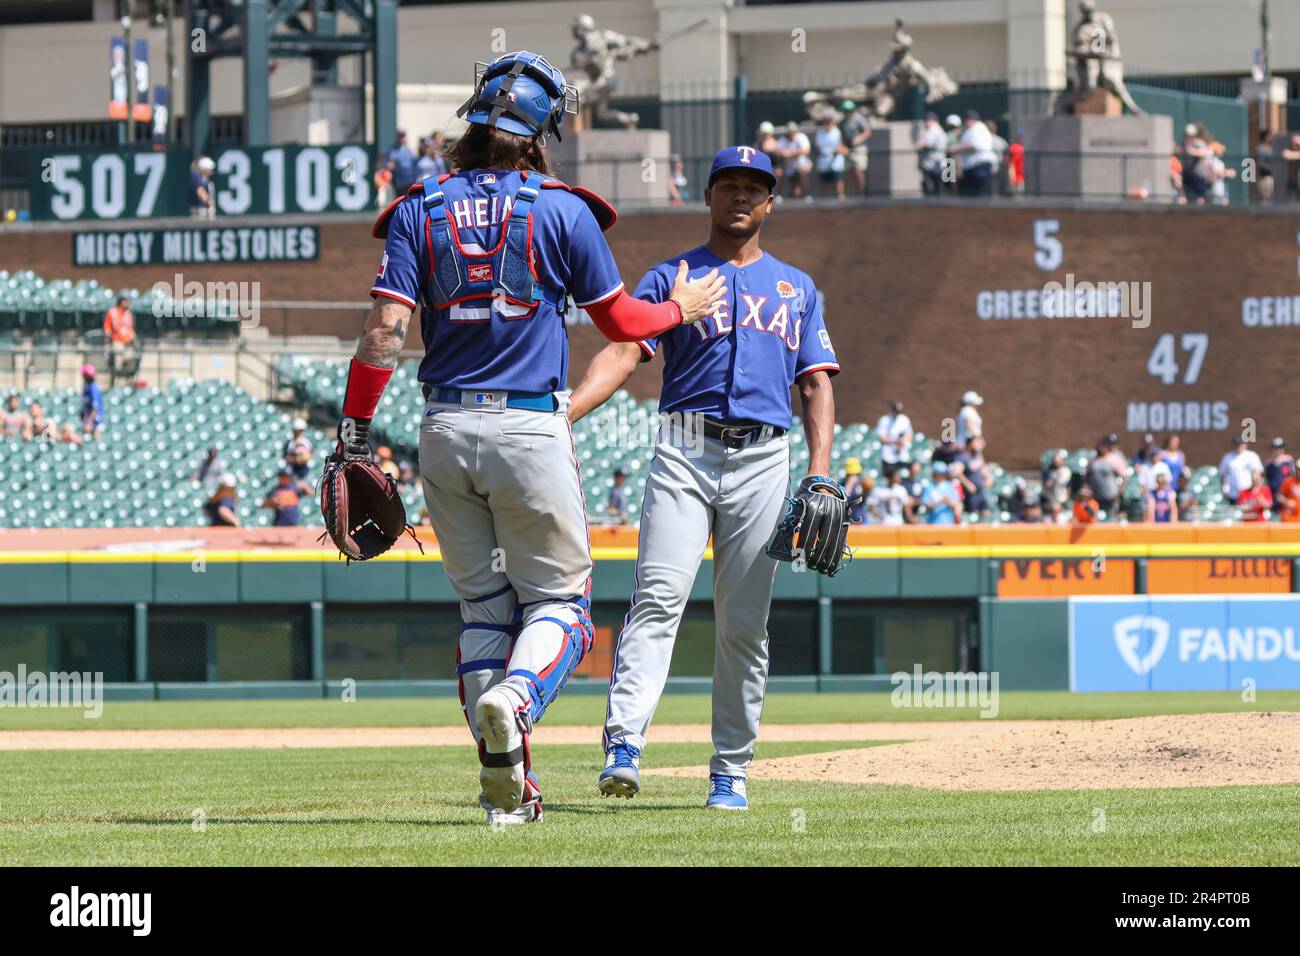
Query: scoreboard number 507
{"points": [[248, 180]]}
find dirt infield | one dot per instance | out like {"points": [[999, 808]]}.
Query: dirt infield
{"points": [[1195, 750], [317, 737]]}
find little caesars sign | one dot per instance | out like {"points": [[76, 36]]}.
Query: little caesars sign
{"points": [[144, 247]]}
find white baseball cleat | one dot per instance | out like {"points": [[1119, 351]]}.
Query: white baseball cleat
{"points": [[503, 751], [530, 810]]}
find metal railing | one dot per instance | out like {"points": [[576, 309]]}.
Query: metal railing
{"points": [[253, 365]]}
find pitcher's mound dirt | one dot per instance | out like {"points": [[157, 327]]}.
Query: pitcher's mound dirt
{"points": [[1190, 750]]}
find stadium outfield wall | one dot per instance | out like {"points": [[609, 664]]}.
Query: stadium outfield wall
{"points": [[202, 613], [1071, 320]]}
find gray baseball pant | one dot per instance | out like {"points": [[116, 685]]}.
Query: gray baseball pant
{"points": [[695, 489]]}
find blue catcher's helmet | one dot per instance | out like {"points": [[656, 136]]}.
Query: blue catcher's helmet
{"points": [[520, 93]]}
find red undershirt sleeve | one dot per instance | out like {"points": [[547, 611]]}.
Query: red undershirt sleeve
{"points": [[621, 318]]}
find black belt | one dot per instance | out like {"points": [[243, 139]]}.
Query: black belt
{"points": [[740, 435]]}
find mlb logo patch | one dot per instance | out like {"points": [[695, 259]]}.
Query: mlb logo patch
{"points": [[484, 398], [485, 179], [481, 272], [785, 290], [383, 266]]}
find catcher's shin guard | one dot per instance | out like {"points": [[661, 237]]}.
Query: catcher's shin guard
{"points": [[491, 623], [556, 636]]}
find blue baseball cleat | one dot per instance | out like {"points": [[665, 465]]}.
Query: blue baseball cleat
{"points": [[621, 776], [726, 793]]}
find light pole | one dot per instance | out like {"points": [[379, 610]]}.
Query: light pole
{"points": [[130, 73], [171, 68]]}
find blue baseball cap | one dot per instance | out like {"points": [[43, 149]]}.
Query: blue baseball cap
{"points": [[743, 157]]}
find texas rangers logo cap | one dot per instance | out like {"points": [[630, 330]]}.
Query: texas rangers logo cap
{"points": [[743, 157]]}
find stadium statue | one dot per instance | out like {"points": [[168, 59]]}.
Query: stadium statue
{"points": [[881, 92], [595, 55], [1097, 63]]}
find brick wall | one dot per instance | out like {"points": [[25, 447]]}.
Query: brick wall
{"points": [[903, 287]]}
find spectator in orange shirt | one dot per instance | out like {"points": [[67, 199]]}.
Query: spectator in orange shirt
{"points": [[1257, 500], [119, 326], [1085, 507], [119, 323], [1288, 499]]}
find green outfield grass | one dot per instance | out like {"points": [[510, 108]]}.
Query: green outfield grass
{"points": [[416, 806], [582, 710]]}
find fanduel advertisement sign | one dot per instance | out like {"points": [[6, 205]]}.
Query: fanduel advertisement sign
{"points": [[1184, 643]]}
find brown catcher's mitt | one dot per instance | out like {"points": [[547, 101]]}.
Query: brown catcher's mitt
{"points": [[363, 512]]}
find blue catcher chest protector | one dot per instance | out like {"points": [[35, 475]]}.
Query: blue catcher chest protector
{"points": [[505, 272]]}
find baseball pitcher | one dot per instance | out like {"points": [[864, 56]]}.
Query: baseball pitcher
{"points": [[491, 253], [721, 467]]}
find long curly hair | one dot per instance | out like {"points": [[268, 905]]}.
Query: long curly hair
{"points": [[486, 147]]}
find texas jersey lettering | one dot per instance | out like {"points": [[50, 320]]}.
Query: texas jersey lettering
{"points": [[739, 363]]}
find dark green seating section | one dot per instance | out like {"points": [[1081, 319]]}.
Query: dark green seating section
{"points": [[31, 306], [138, 473]]}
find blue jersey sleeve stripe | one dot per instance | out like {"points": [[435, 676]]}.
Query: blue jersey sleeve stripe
{"points": [[404, 299], [647, 349], [832, 367], [601, 298]]}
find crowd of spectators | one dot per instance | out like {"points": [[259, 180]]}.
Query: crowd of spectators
{"points": [[1259, 491], [285, 498], [967, 155], [963, 156], [1198, 172], [400, 167], [956, 483], [32, 423]]}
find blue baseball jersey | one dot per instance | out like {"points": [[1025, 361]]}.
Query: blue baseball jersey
{"points": [[474, 344], [739, 364]]}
